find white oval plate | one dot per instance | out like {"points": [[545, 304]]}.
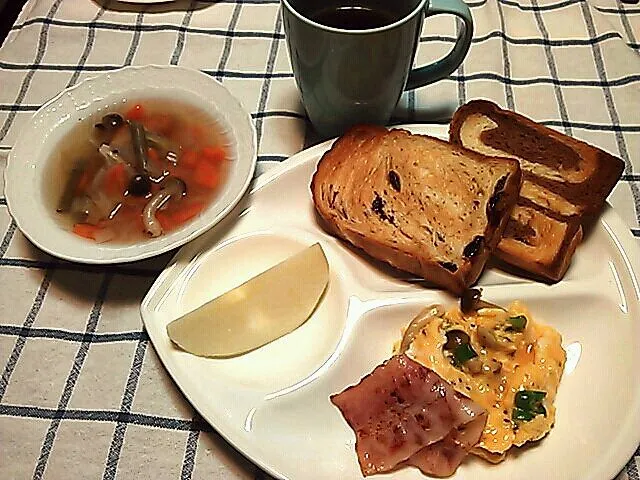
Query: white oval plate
{"points": [[25, 170], [273, 403]]}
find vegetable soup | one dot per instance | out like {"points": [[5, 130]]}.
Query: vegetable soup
{"points": [[137, 172]]}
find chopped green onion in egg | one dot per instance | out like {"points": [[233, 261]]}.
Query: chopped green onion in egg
{"points": [[528, 404], [518, 323]]}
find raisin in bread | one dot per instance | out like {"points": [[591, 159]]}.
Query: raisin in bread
{"points": [[416, 202], [565, 184]]}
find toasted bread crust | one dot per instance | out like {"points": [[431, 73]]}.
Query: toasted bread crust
{"points": [[566, 181], [409, 177], [551, 259]]}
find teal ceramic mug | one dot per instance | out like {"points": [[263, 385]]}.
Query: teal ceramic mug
{"points": [[352, 59]]}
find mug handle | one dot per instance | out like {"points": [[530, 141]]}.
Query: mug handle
{"points": [[443, 67]]}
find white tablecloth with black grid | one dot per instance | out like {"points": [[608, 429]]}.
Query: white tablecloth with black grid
{"points": [[82, 392]]}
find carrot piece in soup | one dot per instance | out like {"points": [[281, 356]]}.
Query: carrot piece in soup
{"points": [[115, 180], [187, 212], [86, 230], [189, 159], [207, 175], [165, 221], [135, 113], [214, 154], [172, 219]]}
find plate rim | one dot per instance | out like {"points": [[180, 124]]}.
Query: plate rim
{"points": [[624, 243]]}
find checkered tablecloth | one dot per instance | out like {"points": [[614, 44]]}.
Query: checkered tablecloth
{"points": [[82, 392]]}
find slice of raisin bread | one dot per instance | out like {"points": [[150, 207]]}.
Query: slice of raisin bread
{"points": [[565, 184], [416, 202]]}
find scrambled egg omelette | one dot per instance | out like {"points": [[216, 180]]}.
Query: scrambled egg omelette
{"points": [[501, 359]]}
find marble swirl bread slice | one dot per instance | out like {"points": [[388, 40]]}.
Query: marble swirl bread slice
{"points": [[416, 202], [565, 184]]}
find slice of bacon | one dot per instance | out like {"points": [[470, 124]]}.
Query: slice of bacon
{"points": [[440, 459], [404, 412]]}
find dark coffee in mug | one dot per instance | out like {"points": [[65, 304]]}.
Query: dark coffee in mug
{"points": [[349, 17]]}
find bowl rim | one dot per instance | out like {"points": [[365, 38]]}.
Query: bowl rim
{"points": [[111, 253]]}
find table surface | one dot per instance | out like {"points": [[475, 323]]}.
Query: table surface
{"points": [[82, 392]]}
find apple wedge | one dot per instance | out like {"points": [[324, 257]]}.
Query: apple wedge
{"points": [[257, 312]]}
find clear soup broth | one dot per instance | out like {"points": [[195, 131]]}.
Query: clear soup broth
{"points": [[137, 172]]}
